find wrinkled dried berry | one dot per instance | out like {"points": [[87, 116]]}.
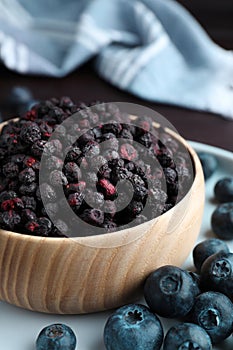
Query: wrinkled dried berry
{"points": [[30, 132], [10, 170], [57, 178], [27, 176], [72, 172], [93, 216]]}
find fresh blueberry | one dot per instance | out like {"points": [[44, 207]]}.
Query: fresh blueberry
{"points": [[205, 249], [217, 273], [213, 311], [187, 336], [170, 291], [56, 337], [209, 164], [222, 221], [132, 327], [197, 281], [223, 190]]}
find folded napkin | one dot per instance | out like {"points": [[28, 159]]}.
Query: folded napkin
{"points": [[152, 48]]}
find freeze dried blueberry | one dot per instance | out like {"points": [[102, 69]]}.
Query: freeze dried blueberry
{"points": [[5, 195], [84, 139], [104, 172], [93, 216], [120, 175], [53, 163], [91, 179], [126, 134], [145, 139], [53, 148], [10, 219], [109, 225], [28, 189], [28, 215], [38, 147], [170, 291], [75, 200], [66, 102], [187, 336], [217, 273], [140, 193], [132, 327], [10, 170], [47, 192], [107, 188], [222, 221], [50, 209], [137, 180], [29, 202], [43, 227], [98, 162], [127, 151], [30, 132], [61, 228], [75, 187], [223, 190], [209, 164], [73, 154], [94, 199], [112, 127], [164, 157], [57, 178], [56, 337], [134, 208], [27, 176], [109, 143], [170, 175], [29, 162], [213, 312], [4, 183], [8, 204], [111, 154], [46, 130], [116, 163], [109, 208], [207, 248], [72, 172], [158, 195]]}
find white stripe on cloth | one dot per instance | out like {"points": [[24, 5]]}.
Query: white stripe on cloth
{"points": [[146, 55], [89, 35], [18, 10], [151, 26], [125, 63], [108, 61], [22, 58]]}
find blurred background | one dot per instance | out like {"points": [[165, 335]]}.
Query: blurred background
{"points": [[84, 84]]}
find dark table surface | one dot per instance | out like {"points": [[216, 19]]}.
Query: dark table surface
{"points": [[84, 84]]}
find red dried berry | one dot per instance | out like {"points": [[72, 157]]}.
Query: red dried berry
{"points": [[107, 188], [128, 152]]}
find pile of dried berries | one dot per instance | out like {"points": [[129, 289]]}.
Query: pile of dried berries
{"points": [[115, 174]]}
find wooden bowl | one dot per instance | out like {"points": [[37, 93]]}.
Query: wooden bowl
{"points": [[88, 274]]}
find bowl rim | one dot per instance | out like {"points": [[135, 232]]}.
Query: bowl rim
{"points": [[84, 240]]}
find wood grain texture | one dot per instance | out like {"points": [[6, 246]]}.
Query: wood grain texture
{"points": [[72, 276]]}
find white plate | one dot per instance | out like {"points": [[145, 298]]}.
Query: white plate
{"points": [[19, 328]]}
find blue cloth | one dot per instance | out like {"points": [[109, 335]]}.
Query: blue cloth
{"points": [[152, 48]]}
